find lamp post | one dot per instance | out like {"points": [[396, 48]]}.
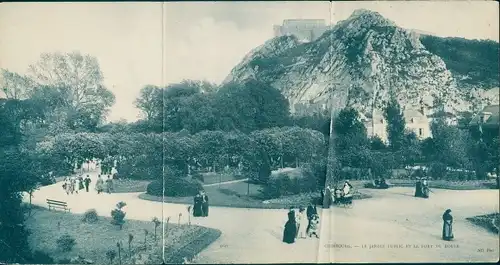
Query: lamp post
{"points": [[342, 97]]}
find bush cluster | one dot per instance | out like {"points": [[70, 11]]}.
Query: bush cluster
{"points": [[66, 242], [174, 187], [283, 184], [90, 216]]}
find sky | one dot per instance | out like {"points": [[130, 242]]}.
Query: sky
{"points": [[200, 41]]}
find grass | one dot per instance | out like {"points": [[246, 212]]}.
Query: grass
{"points": [[235, 195], [491, 222], [93, 240], [130, 185], [436, 184], [212, 177]]}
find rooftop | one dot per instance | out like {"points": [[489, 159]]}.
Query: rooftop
{"points": [[493, 112]]}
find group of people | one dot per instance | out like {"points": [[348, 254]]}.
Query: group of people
{"points": [[200, 208], [74, 184], [301, 224], [336, 195], [100, 185], [422, 188], [380, 183]]}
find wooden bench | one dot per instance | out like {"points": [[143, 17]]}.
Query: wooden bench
{"points": [[58, 204]]}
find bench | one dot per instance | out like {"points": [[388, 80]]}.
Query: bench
{"points": [[58, 204]]}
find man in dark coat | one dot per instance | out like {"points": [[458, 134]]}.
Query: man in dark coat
{"points": [[87, 183], [290, 232], [311, 210], [197, 207], [204, 203]]}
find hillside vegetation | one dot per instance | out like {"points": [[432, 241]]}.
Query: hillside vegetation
{"points": [[476, 59]]}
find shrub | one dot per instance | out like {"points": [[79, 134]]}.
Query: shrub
{"points": [[198, 176], [355, 173], [90, 216], [40, 257], [118, 215], [141, 167], [111, 254], [459, 175], [283, 185], [264, 168], [64, 261], [174, 187], [437, 170], [66, 242]]}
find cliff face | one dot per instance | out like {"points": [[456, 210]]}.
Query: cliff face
{"points": [[366, 55]]}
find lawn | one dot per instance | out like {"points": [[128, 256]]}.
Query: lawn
{"points": [[235, 195], [94, 240], [130, 185], [212, 177], [491, 222], [437, 184]]}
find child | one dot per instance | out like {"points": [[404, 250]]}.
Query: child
{"points": [[314, 224]]}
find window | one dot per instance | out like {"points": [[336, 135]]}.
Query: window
{"points": [[420, 131]]}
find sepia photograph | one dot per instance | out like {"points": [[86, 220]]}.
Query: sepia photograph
{"points": [[249, 132]]}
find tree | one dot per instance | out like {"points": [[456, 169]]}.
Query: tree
{"points": [[14, 85], [377, 144], [447, 140], [16, 175], [198, 112], [251, 105], [395, 125], [351, 138], [172, 98], [150, 102], [80, 79]]}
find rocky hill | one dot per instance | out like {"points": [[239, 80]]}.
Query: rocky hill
{"points": [[366, 58]]}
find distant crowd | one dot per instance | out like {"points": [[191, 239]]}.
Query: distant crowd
{"points": [[74, 184]]}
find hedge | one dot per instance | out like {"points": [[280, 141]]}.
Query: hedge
{"points": [[174, 187]]}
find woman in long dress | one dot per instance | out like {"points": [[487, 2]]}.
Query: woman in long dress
{"points": [[197, 207], [447, 225], [290, 231], [418, 188], [304, 223], [99, 185], [328, 197]]}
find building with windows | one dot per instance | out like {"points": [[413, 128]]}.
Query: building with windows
{"points": [[487, 118], [306, 30], [415, 119]]}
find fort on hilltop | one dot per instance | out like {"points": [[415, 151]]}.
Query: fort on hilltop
{"points": [[306, 30]]}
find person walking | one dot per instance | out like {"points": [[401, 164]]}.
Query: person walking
{"points": [[290, 231], [99, 185], [204, 203], [447, 226], [80, 183], [304, 223], [109, 184], [327, 197], [72, 184], [87, 183]]}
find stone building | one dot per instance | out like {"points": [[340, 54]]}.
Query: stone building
{"points": [[416, 121], [306, 30]]}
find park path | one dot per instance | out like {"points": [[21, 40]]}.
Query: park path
{"points": [[392, 216]]}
